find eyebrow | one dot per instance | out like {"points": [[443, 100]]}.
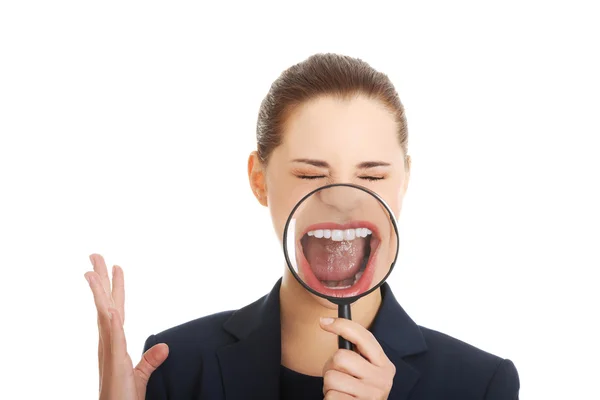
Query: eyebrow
{"points": [[373, 164], [324, 164]]}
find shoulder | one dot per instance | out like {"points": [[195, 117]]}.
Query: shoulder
{"points": [[200, 338], [195, 336], [461, 367], [450, 349], [192, 352]]}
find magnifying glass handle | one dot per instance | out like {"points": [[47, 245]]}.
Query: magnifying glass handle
{"points": [[344, 312]]}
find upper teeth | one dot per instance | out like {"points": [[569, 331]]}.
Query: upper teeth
{"points": [[339, 234]]}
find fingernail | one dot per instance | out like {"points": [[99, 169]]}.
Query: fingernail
{"points": [[89, 278], [109, 315], [92, 259], [114, 269], [327, 321]]}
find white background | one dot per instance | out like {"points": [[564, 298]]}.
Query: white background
{"points": [[125, 129]]}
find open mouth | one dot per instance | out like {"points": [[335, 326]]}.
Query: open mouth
{"points": [[338, 260]]}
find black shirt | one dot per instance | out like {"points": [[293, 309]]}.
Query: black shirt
{"points": [[296, 386]]}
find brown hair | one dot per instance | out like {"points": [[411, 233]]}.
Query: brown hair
{"points": [[323, 75]]}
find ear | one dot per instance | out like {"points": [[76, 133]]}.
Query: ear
{"points": [[407, 166], [256, 177]]}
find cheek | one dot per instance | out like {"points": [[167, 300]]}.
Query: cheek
{"points": [[278, 216], [393, 194], [396, 206], [283, 194]]}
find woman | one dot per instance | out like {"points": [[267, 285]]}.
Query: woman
{"points": [[329, 119]]}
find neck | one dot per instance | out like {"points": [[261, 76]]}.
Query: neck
{"points": [[305, 347]]}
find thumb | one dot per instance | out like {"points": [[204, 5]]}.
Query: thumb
{"points": [[151, 360]]}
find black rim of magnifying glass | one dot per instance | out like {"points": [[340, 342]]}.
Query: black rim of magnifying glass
{"points": [[341, 300]]}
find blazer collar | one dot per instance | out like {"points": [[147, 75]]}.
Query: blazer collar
{"points": [[251, 366], [400, 337], [393, 326]]}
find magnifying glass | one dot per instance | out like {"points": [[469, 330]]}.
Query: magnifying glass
{"points": [[341, 243]]}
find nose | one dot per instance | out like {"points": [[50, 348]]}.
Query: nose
{"points": [[342, 198]]}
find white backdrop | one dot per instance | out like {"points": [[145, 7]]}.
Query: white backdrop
{"points": [[125, 128]]}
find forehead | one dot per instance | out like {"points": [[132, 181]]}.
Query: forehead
{"points": [[328, 128]]}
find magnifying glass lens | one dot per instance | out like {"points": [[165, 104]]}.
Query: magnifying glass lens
{"points": [[341, 242]]}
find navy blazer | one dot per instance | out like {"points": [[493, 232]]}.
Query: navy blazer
{"points": [[236, 355]]}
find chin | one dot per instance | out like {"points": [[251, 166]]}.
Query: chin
{"points": [[325, 303]]}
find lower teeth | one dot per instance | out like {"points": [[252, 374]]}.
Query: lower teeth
{"points": [[345, 284], [358, 276]]}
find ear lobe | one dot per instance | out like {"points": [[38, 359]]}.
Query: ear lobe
{"points": [[256, 178]]}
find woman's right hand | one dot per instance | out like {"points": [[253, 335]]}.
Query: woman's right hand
{"points": [[119, 380]]}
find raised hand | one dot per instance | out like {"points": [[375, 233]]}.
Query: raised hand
{"points": [[119, 380], [349, 375]]}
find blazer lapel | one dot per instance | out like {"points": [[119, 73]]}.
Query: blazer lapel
{"points": [[406, 376], [251, 367], [399, 336]]}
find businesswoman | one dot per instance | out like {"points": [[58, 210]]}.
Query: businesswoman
{"points": [[328, 119]]}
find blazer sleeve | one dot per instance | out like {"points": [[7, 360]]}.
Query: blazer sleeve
{"points": [[505, 383], [156, 389]]}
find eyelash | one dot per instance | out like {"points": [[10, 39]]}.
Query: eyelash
{"points": [[312, 177], [371, 178]]}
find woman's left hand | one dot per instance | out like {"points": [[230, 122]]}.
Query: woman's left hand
{"points": [[348, 375]]}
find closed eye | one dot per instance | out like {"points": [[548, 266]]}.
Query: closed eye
{"points": [[367, 178], [371, 178], [310, 176]]}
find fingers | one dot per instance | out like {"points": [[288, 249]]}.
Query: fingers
{"points": [[151, 360], [364, 340], [121, 379], [351, 363], [100, 298], [118, 290], [120, 360], [350, 375], [342, 383], [100, 360], [100, 268], [117, 377], [101, 303], [333, 395], [118, 343]]}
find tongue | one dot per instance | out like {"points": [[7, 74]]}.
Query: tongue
{"points": [[334, 261]]}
